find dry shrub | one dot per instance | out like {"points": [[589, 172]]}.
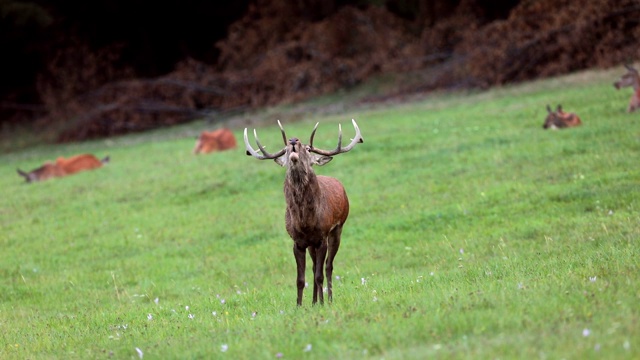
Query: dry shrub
{"points": [[278, 54], [446, 33], [310, 58], [267, 59], [75, 70], [551, 37]]}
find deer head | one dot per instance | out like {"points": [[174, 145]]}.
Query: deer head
{"points": [[631, 78], [295, 153]]}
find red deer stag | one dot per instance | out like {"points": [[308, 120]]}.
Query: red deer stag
{"points": [[63, 167], [631, 78], [559, 119], [317, 206], [217, 140]]}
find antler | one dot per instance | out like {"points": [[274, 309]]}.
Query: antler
{"points": [[265, 155], [339, 149]]}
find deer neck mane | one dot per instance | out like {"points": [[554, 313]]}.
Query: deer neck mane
{"points": [[302, 193]]}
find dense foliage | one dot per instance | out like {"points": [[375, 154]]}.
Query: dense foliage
{"points": [[283, 51]]}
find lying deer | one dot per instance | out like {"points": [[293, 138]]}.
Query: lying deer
{"points": [[559, 119], [63, 167], [631, 78], [217, 140], [317, 206]]}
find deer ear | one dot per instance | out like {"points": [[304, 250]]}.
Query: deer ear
{"points": [[321, 159], [282, 160]]}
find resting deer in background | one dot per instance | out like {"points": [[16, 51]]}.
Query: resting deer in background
{"points": [[63, 167], [217, 140], [559, 119], [317, 206], [631, 78]]}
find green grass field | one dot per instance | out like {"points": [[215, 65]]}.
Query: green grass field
{"points": [[473, 233]]}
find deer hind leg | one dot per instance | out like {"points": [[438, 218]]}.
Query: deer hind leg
{"points": [[333, 246], [299, 254], [318, 256]]}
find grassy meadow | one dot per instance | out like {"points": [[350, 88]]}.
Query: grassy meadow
{"points": [[473, 233]]}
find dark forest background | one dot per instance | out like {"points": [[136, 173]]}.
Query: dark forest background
{"points": [[88, 69]]}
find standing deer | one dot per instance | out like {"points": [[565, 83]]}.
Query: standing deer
{"points": [[559, 119], [63, 167], [317, 206], [631, 78]]}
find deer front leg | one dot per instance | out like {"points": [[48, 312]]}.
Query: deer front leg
{"points": [[312, 255], [299, 254], [318, 256]]}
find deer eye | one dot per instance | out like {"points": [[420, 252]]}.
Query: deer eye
{"points": [[307, 147]]}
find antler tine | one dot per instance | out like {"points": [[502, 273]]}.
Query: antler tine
{"points": [[356, 139], [255, 136], [339, 149], [313, 133], [254, 153], [248, 147], [284, 137]]}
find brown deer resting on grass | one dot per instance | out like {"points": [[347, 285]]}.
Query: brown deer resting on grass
{"points": [[317, 206], [217, 140], [559, 119], [63, 167], [631, 78]]}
